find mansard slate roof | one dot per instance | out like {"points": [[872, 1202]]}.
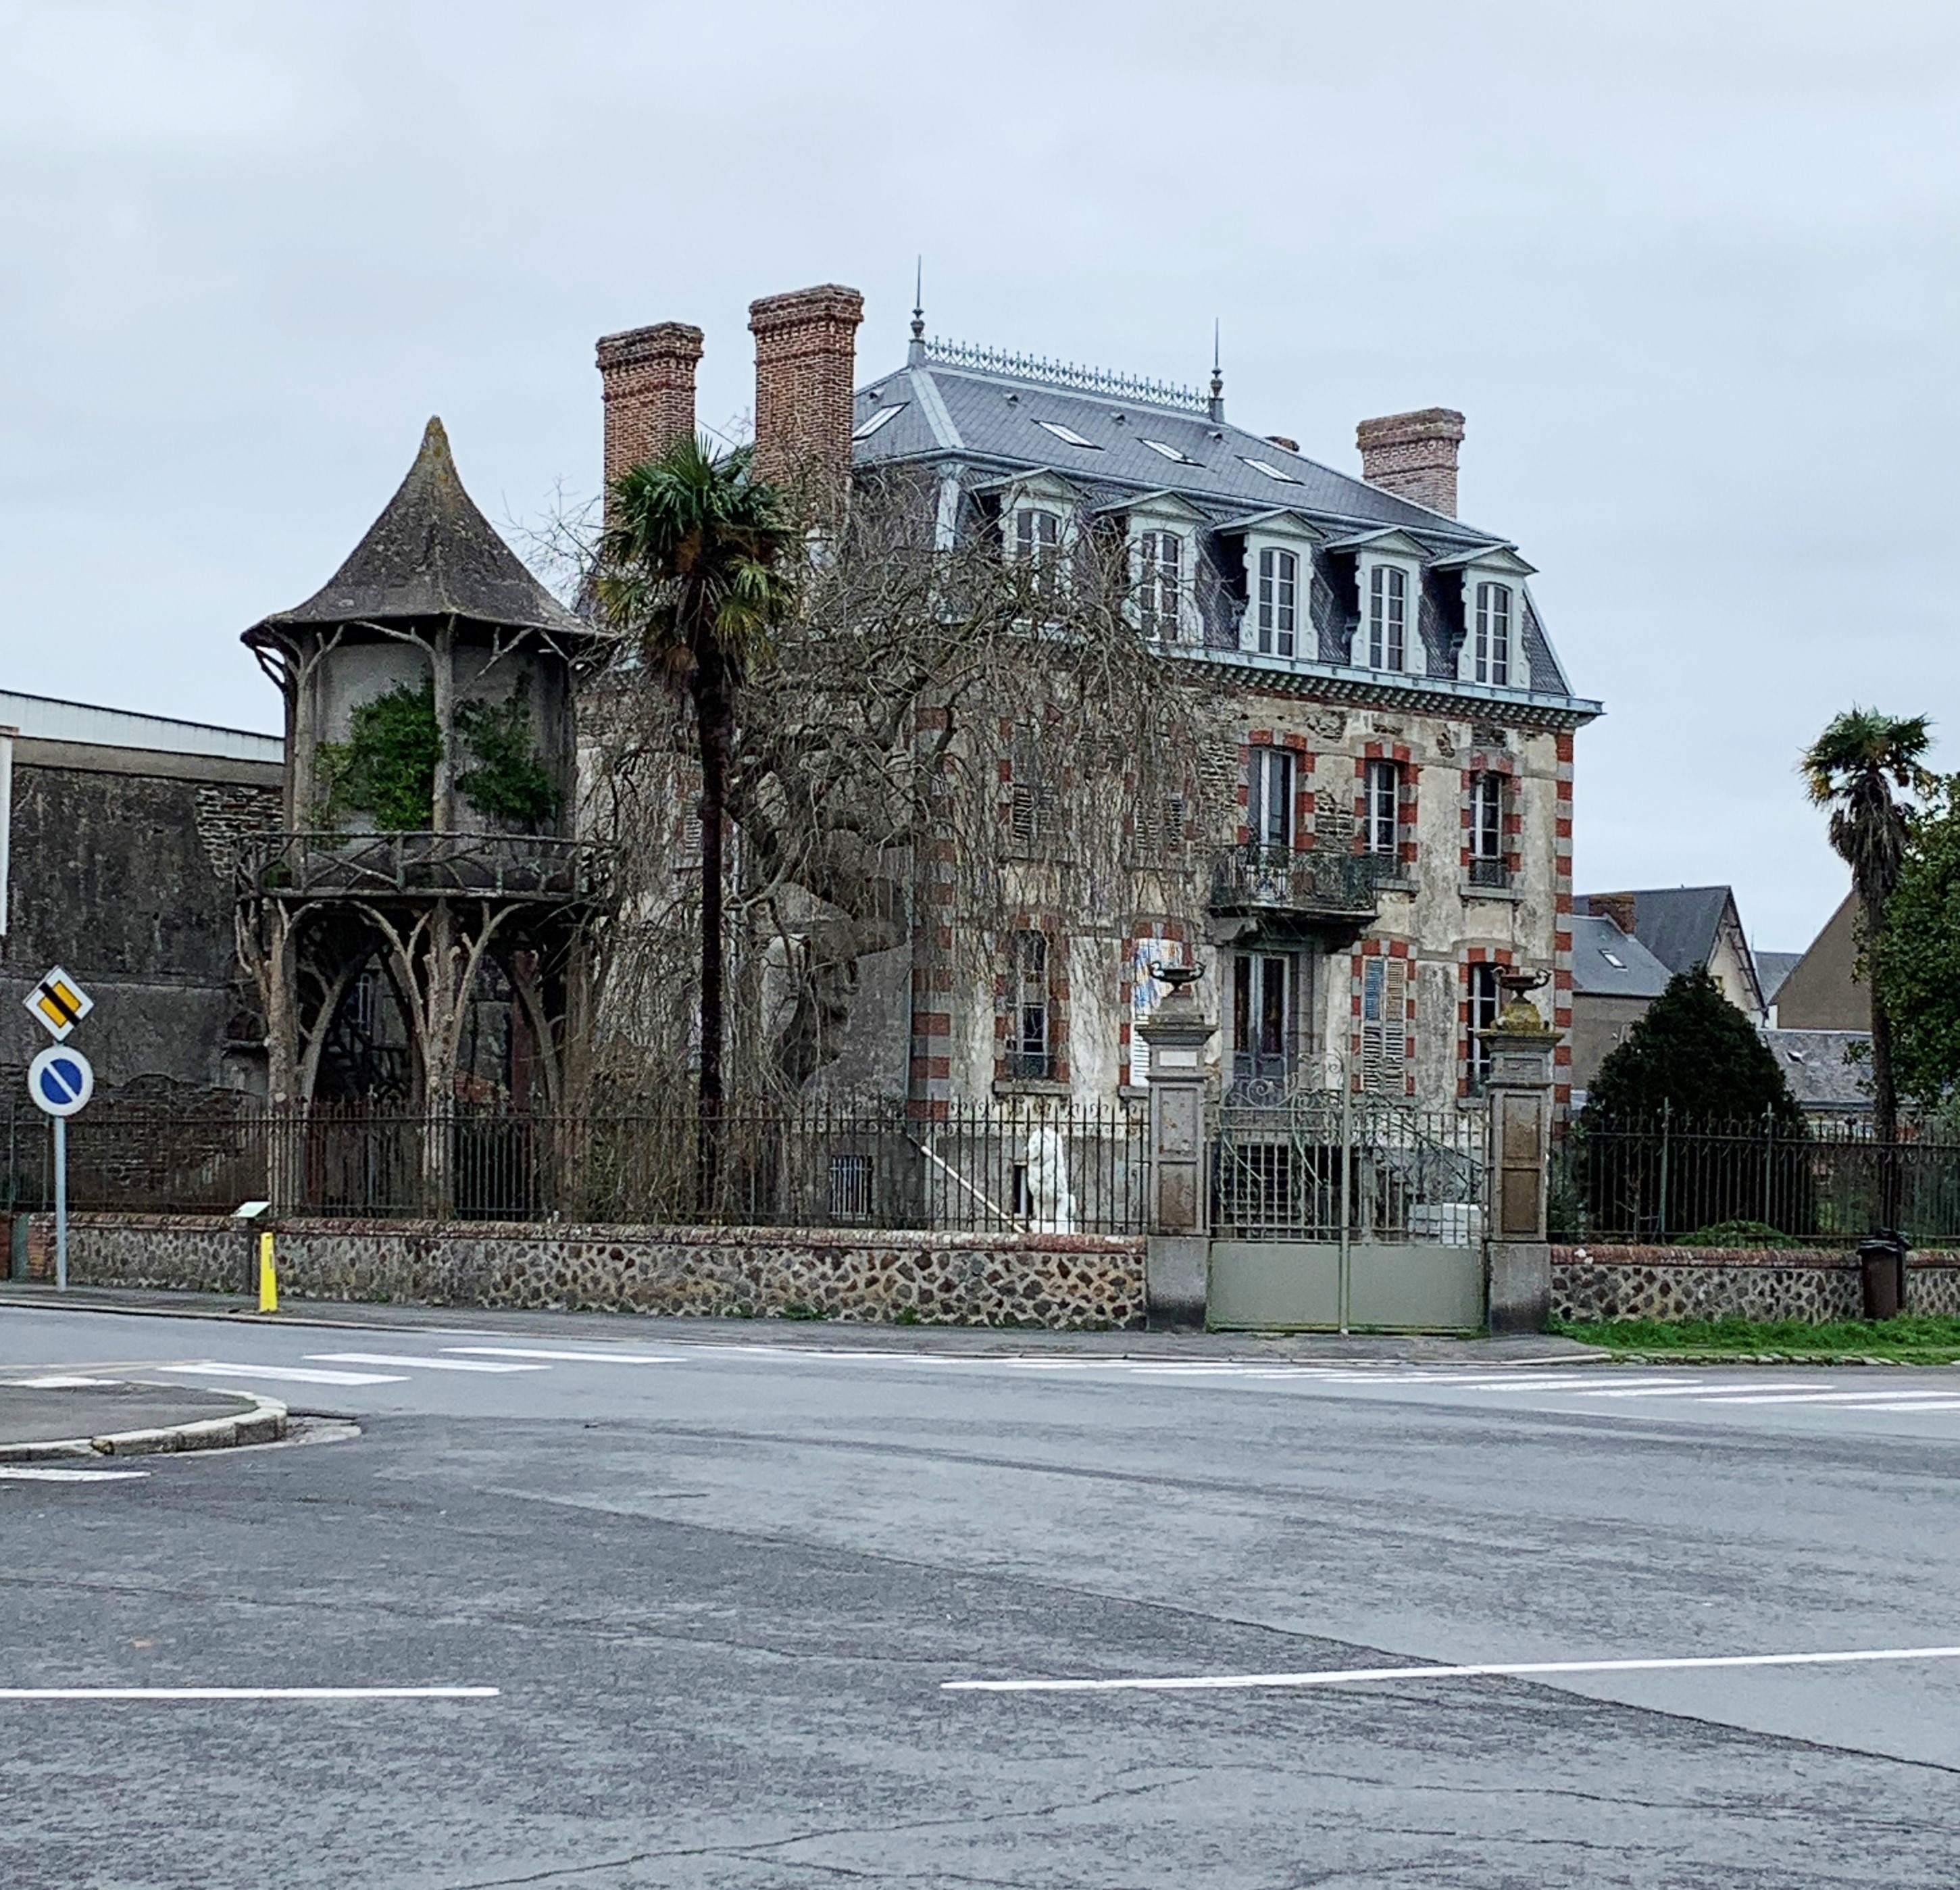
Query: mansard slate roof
{"points": [[431, 554], [983, 413]]}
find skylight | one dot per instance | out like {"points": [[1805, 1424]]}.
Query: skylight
{"points": [[1618, 964], [1169, 452], [883, 417], [1271, 471], [1067, 435]]}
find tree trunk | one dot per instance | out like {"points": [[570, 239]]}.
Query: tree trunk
{"points": [[712, 720], [442, 675], [1884, 1092]]}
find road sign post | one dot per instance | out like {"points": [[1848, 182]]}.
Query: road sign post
{"points": [[61, 1081]]}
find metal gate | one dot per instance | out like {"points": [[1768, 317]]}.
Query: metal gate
{"points": [[1342, 1212]]}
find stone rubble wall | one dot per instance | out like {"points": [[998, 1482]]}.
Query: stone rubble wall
{"points": [[1062, 1281], [1599, 1282]]}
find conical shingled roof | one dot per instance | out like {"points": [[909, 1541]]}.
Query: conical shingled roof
{"points": [[431, 554]]}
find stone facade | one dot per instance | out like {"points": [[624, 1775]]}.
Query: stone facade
{"points": [[1601, 1283], [1061, 1282]]}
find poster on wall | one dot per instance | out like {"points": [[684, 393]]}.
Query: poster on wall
{"points": [[1145, 993]]}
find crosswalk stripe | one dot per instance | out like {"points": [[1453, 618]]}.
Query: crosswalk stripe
{"points": [[49, 1473], [586, 1358], [1675, 1388], [421, 1364], [1799, 1397], [298, 1374]]}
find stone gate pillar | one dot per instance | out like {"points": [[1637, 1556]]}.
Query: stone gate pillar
{"points": [[1519, 1154], [1177, 1266]]}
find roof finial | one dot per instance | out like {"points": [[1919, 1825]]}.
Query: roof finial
{"points": [[916, 353], [1215, 406]]}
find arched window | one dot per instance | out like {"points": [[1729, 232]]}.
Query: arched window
{"points": [[1277, 612], [1388, 618]]}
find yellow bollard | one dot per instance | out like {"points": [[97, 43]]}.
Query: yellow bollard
{"points": [[269, 1279]]}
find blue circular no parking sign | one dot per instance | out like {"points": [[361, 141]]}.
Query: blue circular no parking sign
{"points": [[60, 1080]]}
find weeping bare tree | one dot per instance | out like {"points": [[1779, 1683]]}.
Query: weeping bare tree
{"points": [[929, 715]]}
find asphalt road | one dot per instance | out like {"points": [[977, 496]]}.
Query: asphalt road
{"points": [[720, 1584]]}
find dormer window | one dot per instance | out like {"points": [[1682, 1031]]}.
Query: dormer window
{"points": [[1276, 609], [1492, 633], [1067, 435], [1160, 583], [1388, 618]]}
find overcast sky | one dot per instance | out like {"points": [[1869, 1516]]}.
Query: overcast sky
{"points": [[1689, 268]]}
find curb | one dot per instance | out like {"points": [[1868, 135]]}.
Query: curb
{"points": [[265, 1423]]}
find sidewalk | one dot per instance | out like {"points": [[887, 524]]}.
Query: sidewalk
{"points": [[47, 1413], [956, 1341]]}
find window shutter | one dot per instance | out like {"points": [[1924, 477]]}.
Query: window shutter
{"points": [[1384, 1026]]}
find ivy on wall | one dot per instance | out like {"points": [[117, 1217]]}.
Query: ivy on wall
{"points": [[385, 768]]}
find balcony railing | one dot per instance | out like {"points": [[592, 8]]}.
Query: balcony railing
{"points": [[1337, 886], [1490, 874], [355, 866]]}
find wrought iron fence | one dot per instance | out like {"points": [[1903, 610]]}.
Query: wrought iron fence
{"points": [[1046, 1166], [1669, 1177], [1318, 1167]]}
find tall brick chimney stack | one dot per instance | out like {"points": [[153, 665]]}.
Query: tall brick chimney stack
{"points": [[1413, 455], [805, 356], [646, 380]]}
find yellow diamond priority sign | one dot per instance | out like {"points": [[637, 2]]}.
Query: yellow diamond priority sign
{"points": [[59, 1003]]}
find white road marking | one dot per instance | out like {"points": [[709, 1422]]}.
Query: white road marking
{"points": [[248, 1693], [38, 1473], [299, 1374], [1207, 1683], [1675, 1388], [590, 1358], [419, 1363], [1906, 1404], [58, 1381], [1866, 1394]]}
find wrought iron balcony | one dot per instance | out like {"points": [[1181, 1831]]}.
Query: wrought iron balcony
{"points": [[1490, 874], [1313, 885], [370, 866]]}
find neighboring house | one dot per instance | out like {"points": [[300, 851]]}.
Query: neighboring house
{"points": [[1829, 1072], [1822, 990], [1615, 979], [118, 838], [1772, 967], [1393, 779], [1687, 926]]}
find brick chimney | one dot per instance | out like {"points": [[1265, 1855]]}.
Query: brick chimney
{"points": [[646, 380], [1414, 455], [1619, 907], [805, 356]]}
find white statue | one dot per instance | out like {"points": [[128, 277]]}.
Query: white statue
{"points": [[1048, 1180]]}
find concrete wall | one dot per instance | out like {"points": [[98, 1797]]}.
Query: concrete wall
{"points": [[1605, 1283], [1058, 1280], [122, 872], [1599, 1026]]}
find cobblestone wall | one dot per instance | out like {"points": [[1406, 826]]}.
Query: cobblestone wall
{"points": [[1058, 1280], [1594, 1283]]}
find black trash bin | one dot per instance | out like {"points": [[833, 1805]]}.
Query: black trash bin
{"points": [[1881, 1270]]}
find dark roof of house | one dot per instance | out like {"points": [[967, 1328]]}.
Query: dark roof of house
{"points": [[1825, 1069], [1679, 924], [1596, 943], [985, 407], [1772, 967], [431, 554]]}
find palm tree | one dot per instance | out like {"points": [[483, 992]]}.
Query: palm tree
{"points": [[1852, 768], [696, 566]]}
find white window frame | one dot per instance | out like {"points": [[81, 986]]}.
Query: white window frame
{"points": [[1164, 605], [1486, 814], [1375, 823], [1473, 664], [1272, 608], [1415, 654], [1272, 776], [1493, 632]]}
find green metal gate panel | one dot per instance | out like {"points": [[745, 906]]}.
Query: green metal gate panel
{"points": [[1267, 1285], [1416, 1289]]}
